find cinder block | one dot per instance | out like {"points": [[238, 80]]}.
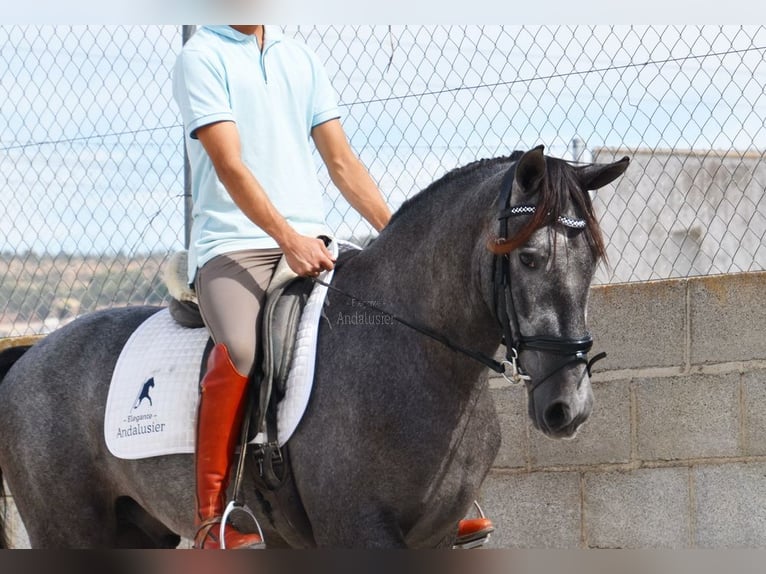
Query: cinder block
{"points": [[730, 509], [726, 314], [755, 406], [511, 405], [537, 510], [639, 324], [645, 508], [688, 417], [604, 438]]}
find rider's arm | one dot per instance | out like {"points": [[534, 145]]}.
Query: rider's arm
{"points": [[305, 255], [349, 175]]}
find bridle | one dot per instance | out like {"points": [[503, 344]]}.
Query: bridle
{"points": [[573, 350]]}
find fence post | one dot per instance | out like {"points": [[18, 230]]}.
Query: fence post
{"points": [[186, 33]]}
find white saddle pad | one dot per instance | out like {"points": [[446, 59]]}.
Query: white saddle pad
{"points": [[151, 408]]}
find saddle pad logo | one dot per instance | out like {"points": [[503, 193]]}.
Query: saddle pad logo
{"points": [[141, 420], [144, 394]]}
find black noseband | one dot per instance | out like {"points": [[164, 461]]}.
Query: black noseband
{"points": [[557, 345], [577, 349]]}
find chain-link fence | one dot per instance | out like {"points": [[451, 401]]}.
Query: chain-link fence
{"points": [[91, 170], [91, 147]]}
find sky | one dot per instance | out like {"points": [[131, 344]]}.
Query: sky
{"points": [[346, 12]]}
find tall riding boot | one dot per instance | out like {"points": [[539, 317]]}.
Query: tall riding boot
{"points": [[219, 421]]}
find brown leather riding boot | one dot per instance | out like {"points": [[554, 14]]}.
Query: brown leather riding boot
{"points": [[219, 419]]}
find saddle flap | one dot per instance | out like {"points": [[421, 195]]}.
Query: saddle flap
{"points": [[281, 316]]}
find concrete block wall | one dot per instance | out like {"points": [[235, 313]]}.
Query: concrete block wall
{"points": [[674, 454]]}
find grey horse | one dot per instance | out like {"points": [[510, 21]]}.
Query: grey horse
{"points": [[400, 431]]}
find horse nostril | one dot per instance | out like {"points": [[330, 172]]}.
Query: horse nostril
{"points": [[557, 416]]}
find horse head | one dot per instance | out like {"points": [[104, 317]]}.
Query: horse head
{"points": [[546, 252]]}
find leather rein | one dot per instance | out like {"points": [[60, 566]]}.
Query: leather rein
{"points": [[575, 350]]}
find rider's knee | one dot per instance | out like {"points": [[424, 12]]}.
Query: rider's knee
{"points": [[242, 357]]}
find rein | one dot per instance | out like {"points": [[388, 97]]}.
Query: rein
{"points": [[496, 366]]}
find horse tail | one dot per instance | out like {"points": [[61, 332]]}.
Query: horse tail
{"points": [[3, 514], [7, 358]]}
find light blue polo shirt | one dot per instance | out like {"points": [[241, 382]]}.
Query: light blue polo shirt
{"points": [[275, 96]]}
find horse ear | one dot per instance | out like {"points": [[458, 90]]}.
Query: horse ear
{"points": [[530, 170], [598, 175]]}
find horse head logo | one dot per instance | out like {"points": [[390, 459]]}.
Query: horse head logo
{"points": [[144, 394]]}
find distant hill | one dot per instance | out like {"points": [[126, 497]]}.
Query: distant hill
{"points": [[40, 292]]}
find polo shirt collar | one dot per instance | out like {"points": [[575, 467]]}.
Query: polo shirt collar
{"points": [[271, 34]]}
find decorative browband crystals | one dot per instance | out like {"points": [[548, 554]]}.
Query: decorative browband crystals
{"points": [[564, 220]]}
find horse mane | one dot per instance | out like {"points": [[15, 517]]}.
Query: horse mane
{"points": [[559, 184], [453, 175]]}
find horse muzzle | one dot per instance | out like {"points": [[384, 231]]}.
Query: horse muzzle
{"points": [[560, 406]]}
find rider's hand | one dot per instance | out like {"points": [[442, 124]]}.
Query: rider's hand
{"points": [[307, 256]]}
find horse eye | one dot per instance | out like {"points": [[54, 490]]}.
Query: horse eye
{"points": [[527, 259]]}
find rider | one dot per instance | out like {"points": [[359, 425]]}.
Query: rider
{"points": [[250, 98]]}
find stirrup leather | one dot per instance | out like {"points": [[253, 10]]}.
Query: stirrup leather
{"points": [[203, 531]]}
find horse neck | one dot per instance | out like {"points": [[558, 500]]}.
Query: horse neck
{"points": [[432, 267]]}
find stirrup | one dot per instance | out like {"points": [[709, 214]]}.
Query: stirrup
{"points": [[237, 506], [203, 530], [480, 540]]}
